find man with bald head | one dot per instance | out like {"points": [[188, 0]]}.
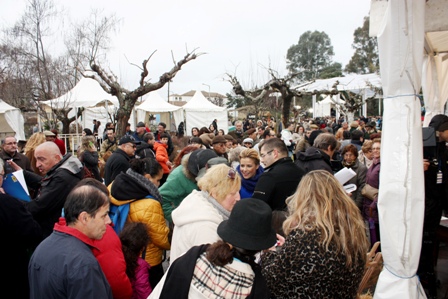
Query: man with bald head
{"points": [[60, 175]]}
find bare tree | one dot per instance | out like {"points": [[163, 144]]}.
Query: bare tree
{"points": [[97, 37]]}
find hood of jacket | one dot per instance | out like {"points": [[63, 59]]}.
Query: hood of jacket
{"points": [[68, 162], [195, 208], [312, 153], [131, 186], [158, 144]]}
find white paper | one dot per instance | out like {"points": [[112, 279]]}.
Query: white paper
{"points": [[21, 178], [344, 175]]}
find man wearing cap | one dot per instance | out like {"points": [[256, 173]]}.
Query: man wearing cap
{"points": [[435, 165], [229, 144], [161, 128], [10, 152], [119, 160], [370, 129], [49, 136], [219, 144], [59, 142], [140, 130], [248, 142]]}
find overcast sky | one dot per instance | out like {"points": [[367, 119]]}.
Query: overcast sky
{"points": [[240, 37]]}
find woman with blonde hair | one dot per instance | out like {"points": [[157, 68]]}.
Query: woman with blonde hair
{"points": [[326, 244], [35, 140], [365, 155], [199, 214], [250, 171], [88, 155]]}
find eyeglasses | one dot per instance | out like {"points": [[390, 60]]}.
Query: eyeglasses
{"points": [[264, 155], [231, 174], [132, 145]]}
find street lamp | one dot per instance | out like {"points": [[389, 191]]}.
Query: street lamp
{"points": [[208, 91]]}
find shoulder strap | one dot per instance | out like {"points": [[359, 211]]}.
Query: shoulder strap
{"points": [[178, 278]]}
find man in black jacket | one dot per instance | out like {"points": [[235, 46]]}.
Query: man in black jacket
{"points": [[281, 176], [119, 160], [319, 155]]}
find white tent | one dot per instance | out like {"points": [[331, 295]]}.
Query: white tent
{"points": [[400, 28], [11, 121], [199, 112], [323, 108], [153, 103], [86, 93]]}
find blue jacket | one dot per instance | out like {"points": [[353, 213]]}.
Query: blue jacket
{"points": [[63, 266]]}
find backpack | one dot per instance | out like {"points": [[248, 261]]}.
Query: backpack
{"points": [[119, 214]]}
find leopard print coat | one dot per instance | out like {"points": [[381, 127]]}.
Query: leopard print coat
{"points": [[302, 268]]}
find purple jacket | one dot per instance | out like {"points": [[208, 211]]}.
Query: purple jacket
{"points": [[140, 285], [373, 179]]}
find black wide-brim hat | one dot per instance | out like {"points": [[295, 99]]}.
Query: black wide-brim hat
{"points": [[249, 225]]}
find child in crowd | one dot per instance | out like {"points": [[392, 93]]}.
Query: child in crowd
{"points": [[134, 238]]}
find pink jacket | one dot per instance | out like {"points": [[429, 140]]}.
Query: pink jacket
{"points": [[140, 284]]}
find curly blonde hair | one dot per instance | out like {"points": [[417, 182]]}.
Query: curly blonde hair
{"points": [[221, 180], [321, 203], [36, 139]]}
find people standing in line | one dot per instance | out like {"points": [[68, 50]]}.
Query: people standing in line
{"points": [[370, 208], [199, 214], [140, 130], [34, 141], [281, 176], [139, 187], [435, 165], [10, 152], [108, 252], [161, 128], [350, 160], [22, 234], [88, 155], [226, 268], [60, 175], [324, 253], [365, 155], [119, 160], [70, 247], [134, 239], [161, 148], [250, 171]]}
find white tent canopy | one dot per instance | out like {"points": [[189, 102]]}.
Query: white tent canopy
{"points": [[153, 103], [86, 93], [11, 121], [323, 108], [199, 112]]}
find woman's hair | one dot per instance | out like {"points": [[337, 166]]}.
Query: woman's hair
{"points": [[234, 153], [367, 145], [350, 148], [203, 130], [88, 132], [222, 131], [196, 130], [221, 253], [34, 140], [134, 237], [251, 154], [86, 143], [145, 166], [320, 203], [221, 179], [186, 150]]}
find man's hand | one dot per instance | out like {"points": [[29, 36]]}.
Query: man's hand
{"points": [[425, 164], [13, 165]]}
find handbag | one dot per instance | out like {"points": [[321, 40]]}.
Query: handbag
{"points": [[369, 192]]}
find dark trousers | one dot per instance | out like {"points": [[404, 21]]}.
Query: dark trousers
{"points": [[155, 275]]}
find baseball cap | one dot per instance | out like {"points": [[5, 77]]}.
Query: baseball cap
{"points": [[141, 125], [128, 139]]}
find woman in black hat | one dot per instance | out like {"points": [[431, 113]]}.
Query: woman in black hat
{"points": [[226, 268]]}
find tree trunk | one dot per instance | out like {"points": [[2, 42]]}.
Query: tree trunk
{"points": [[122, 119], [286, 110]]}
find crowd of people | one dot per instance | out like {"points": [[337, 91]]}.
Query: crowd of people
{"points": [[255, 212]]}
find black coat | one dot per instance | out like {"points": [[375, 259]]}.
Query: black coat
{"points": [[118, 162], [279, 181], [313, 159]]}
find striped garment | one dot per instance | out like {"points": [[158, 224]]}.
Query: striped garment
{"points": [[221, 282]]}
